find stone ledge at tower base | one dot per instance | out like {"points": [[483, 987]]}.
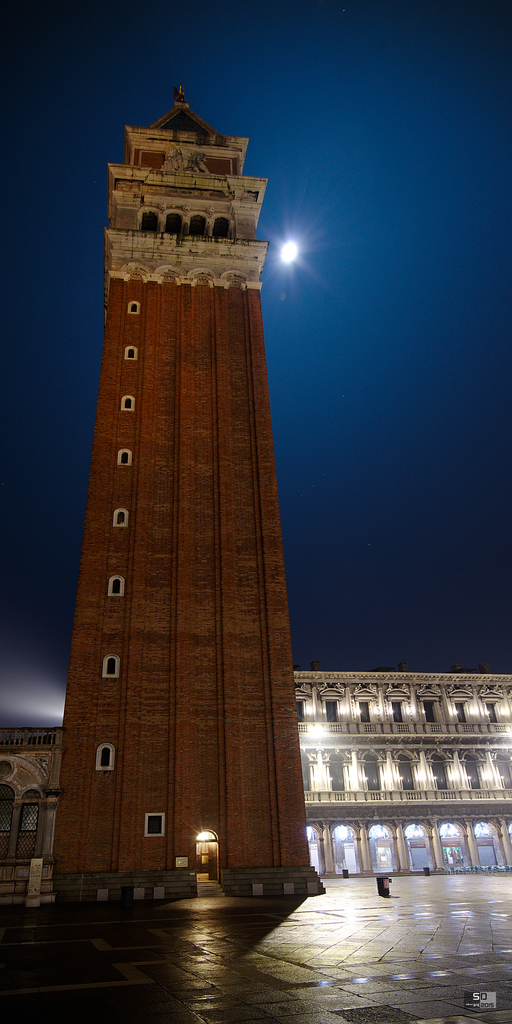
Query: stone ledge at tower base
{"points": [[294, 881], [106, 885]]}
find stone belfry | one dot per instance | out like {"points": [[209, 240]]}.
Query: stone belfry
{"points": [[180, 717]]}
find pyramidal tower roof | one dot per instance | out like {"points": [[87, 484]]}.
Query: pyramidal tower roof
{"points": [[187, 128], [182, 119]]}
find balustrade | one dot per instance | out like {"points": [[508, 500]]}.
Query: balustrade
{"points": [[405, 795]]}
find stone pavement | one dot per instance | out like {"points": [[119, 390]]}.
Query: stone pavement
{"points": [[348, 956]]}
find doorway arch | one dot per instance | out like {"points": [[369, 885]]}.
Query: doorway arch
{"points": [[207, 856]]}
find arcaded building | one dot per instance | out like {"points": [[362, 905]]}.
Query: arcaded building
{"points": [[29, 793], [404, 771]]}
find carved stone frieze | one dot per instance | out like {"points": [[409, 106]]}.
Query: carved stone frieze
{"points": [[430, 691], [327, 690], [367, 691], [460, 691], [490, 692], [398, 692]]}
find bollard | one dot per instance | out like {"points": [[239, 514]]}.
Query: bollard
{"points": [[383, 886], [426, 870], [345, 872], [126, 895]]}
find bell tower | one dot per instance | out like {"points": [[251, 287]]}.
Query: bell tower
{"points": [[180, 717]]}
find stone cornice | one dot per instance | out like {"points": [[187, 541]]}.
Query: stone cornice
{"points": [[217, 262], [357, 678]]}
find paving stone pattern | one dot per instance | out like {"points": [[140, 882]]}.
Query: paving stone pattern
{"points": [[345, 956]]}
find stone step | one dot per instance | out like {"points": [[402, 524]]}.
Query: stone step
{"points": [[209, 888]]}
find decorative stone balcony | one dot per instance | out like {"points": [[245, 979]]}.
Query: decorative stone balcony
{"points": [[15, 738]]}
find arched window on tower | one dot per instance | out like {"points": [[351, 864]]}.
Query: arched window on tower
{"points": [[111, 666], [124, 457], [128, 403], [134, 307], [116, 586], [120, 517], [220, 227], [105, 757], [173, 224], [149, 222], [131, 352], [197, 225]]}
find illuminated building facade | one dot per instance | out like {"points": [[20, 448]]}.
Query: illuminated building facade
{"points": [[29, 792], [180, 717], [406, 771]]}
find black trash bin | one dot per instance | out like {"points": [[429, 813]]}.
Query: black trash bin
{"points": [[126, 895], [383, 886], [426, 870], [345, 872]]}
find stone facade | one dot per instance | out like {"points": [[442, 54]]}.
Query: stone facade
{"points": [[405, 771], [180, 715], [29, 792]]}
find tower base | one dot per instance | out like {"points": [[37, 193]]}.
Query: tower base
{"points": [[101, 886], [296, 881], [107, 885]]}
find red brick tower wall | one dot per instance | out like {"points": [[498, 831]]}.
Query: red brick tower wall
{"points": [[202, 715]]}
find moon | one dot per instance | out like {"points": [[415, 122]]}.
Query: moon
{"points": [[288, 252]]}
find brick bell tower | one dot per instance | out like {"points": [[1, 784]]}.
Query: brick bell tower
{"points": [[180, 717]]}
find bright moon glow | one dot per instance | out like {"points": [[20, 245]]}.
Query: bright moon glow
{"points": [[288, 252]]}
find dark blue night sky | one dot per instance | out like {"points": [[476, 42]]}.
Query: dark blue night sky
{"points": [[384, 129]]}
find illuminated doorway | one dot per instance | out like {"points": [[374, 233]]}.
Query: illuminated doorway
{"points": [[381, 849], [344, 849], [207, 856], [417, 847], [453, 846]]}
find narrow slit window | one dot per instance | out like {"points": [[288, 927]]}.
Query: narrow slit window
{"points": [[105, 757], [124, 457], [111, 664], [120, 517], [116, 586], [131, 352], [128, 403], [134, 307]]}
